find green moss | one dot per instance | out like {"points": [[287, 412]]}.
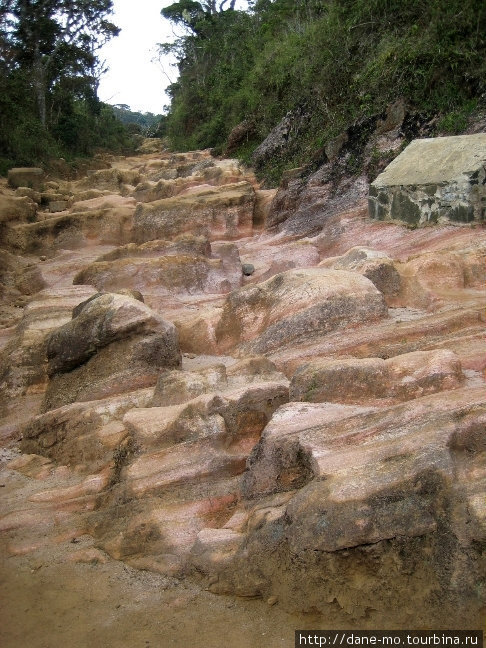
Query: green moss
{"points": [[404, 209]]}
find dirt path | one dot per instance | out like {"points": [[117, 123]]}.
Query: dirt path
{"points": [[51, 603], [60, 593]]}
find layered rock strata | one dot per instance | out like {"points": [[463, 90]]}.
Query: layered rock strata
{"points": [[310, 432]]}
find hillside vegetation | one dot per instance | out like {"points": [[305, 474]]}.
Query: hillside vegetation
{"points": [[332, 62], [145, 123], [49, 74]]}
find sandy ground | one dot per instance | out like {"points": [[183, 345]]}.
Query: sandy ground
{"points": [[50, 600], [48, 603]]}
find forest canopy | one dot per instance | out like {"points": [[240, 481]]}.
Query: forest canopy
{"points": [[49, 74]]}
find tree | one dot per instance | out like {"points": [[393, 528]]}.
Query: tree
{"points": [[55, 41], [190, 14]]}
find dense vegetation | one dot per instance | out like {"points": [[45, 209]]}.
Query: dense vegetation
{"points": [[335, 60], [145, 123], [49, 74]]}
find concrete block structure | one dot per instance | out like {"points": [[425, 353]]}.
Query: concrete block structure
{"points": [[435, 180]]}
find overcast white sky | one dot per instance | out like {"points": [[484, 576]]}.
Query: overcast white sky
{"points": [[132, 78]]}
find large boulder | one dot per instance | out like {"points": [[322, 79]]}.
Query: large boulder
{"points": [[16, 208], [31, 177], [297, 304], [362, 509], [354, 380], [434, 180], [373, 264], [218, 213], [114, 343], [23, 365]]}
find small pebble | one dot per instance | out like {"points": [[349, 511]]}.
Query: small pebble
{"points": [[272, 600], [42, 258]]}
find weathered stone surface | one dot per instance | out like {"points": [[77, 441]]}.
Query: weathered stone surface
{"points": [[31, 177], [223, 212], [372, 264], [36, 196], [401, 378], [360, 490], [185, 244], [113, 344], [190, 456], [72, 230], [297, 304], [16, 208], [177, 387], [231, 416], [88, 435], [108, 179], [23, 361], [368, 508], [56, 206], [185, 265], [88, 194], [100, 321], [18, 276], [434, 181], [186, 180], [239, 135], [281, 137], [103, 201], [173, 273]]}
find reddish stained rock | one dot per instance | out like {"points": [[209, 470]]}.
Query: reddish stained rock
{"points": [[296, 305], [218, 213], [362, 509], [88, 435], [226, 418], [370, 380], [364, 487], [113, 344]]}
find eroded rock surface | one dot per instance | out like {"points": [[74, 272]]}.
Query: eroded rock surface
{"points": [[401, 378], [297, 304], [113, 343], [310, 432]]}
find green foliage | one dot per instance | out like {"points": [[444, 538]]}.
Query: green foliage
{"points": [[341, 59], [144, 123], [456, 121], [48, 80]]}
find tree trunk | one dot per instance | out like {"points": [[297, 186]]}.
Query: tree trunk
{"points": [[39, 81]]}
